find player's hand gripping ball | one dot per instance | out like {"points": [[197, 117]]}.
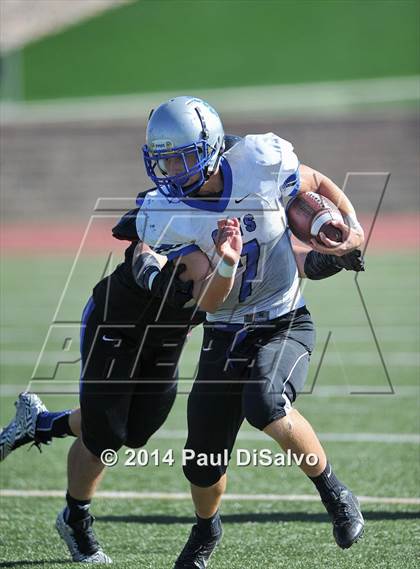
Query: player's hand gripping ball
{"points": [[311, 215]]}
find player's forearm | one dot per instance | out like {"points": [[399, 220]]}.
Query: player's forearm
{"points": [[142, 247], [146, 266], [300, 253], [313, 181], [216, 289]]}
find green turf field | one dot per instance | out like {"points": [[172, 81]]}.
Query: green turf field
{"points": [[154, 45], [258, 534]]}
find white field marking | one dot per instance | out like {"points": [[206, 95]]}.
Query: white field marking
{"points": [[400, 359], [392, 336], [14, 335], [397, 333], [254, 435], [327, 98], [246, 435], [7, 493], [68, 387]]}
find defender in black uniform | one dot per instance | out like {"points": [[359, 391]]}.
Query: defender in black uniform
{"points": [[131, 342], [131, 345]]}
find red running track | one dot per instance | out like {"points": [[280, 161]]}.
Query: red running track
{"points": [[392, 232]]}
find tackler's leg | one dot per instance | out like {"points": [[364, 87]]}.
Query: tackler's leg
{"points": [[105, 397], [33, 423]]}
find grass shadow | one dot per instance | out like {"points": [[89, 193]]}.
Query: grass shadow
{"points": [[271, 517]]}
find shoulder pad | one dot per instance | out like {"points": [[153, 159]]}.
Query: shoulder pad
{"points": [[268, 149]]}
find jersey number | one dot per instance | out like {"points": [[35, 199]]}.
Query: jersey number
{"points": [[250, 250]]}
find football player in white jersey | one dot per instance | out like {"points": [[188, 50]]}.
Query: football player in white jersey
{"points": [[259, 335], [251, 313]]}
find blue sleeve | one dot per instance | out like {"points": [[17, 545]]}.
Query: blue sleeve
{"points": [[291, 185], [179, 252]]}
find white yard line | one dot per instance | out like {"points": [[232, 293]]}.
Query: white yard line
{"points": [[341, 334], [332, 358], [250, 436], [68, 387], [245, 435], [186, 496], [327, 98]]}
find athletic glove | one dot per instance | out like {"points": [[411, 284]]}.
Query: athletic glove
{"points": [[321, 266], [169, 286], [162, 283]]}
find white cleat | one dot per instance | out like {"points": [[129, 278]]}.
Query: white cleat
{"points": [[21, 429], [81, 540]]}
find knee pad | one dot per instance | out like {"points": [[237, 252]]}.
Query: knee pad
{"points": [[203, 476], [261, 410], [137, 440], [97, 444]]}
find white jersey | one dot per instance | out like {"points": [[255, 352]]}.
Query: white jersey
{"points": [[258, 172]]}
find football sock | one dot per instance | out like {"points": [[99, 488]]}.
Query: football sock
{"points": [[210, 527], [327, 484], [50, 425], [76, 509]]}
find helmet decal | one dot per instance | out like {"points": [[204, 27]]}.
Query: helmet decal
{"points": [[161, 145]]}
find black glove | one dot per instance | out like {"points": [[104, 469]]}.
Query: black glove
{"points": [[167, 285], [321, 266], [353, 261]]}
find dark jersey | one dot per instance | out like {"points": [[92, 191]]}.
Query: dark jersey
{"points": [[120, 298]]}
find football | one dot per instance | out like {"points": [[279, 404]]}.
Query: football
{"points": [[309, 214]]}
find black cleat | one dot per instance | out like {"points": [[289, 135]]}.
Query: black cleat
{"points": [[81, 541], [346, 517], [197, 551]]}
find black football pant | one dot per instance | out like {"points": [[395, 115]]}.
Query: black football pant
{"points": [[130, 351], [254, 373]]}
